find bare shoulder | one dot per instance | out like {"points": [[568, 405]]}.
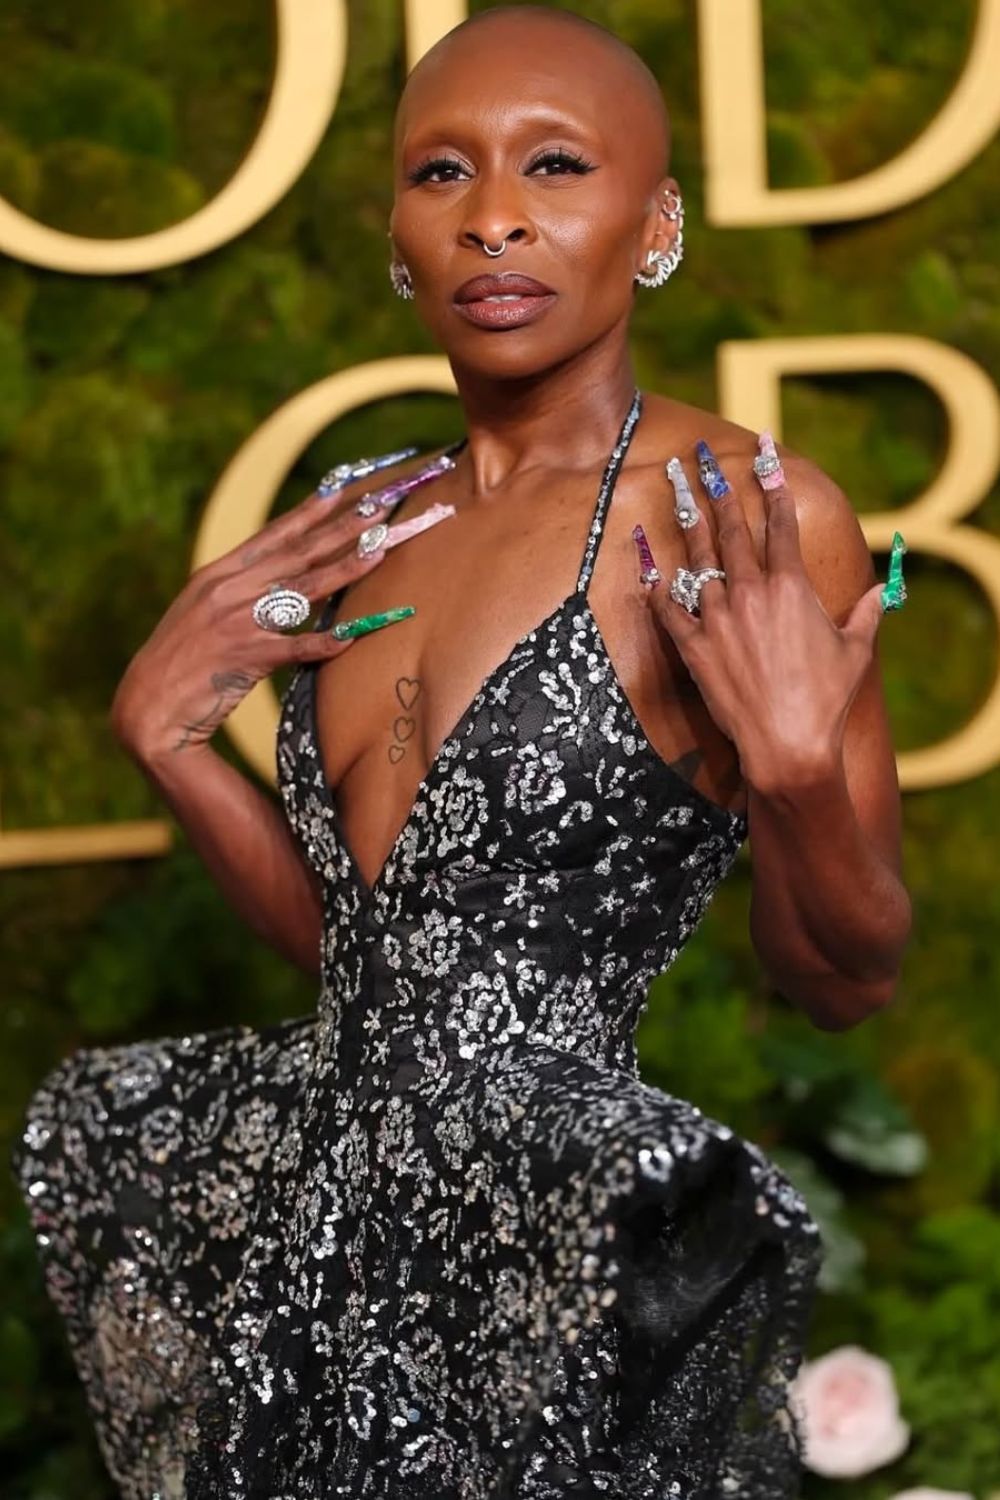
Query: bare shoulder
{"points": [[834, 550]]}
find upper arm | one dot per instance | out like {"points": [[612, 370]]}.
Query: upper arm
{"points": [[840, 568]]}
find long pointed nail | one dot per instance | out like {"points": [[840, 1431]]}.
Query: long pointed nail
{"points": [[685, 506], [335, 479], [391, 494], [767, 464], [365, 624], [893, 595], [715, 482], [649, 575], [403, 530]]}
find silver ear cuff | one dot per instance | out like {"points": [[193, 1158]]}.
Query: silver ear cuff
{"points": [[665, 263]]}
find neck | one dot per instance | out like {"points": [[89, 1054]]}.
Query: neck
{"points": [[566, 418]]}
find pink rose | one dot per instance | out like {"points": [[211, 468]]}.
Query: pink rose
{"points": [[924, 1492], [849, 1408]]}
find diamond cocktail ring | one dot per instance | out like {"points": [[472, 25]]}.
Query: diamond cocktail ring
{"points": [[686, 587], [280, 608]]}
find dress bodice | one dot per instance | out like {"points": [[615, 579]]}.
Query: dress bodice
{"points": [[551, 865]]}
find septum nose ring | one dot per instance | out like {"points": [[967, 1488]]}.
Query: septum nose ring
{"points": [[500, 251]]}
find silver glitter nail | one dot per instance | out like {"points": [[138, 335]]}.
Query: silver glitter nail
{"points": [[685, 506]]}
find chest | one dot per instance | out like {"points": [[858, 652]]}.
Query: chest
{"points": [[479, 584]]}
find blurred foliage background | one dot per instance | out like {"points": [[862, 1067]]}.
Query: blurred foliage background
{"points": [[121, 399]]}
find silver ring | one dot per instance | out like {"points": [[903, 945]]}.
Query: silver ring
{"points": [[686, 587], [280, 608], [503, 246]]}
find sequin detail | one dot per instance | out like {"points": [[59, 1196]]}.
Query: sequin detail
{"points": [[440, 1241]]}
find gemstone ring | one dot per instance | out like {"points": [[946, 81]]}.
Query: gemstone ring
{"points": [[280, 608], [686, 587]]}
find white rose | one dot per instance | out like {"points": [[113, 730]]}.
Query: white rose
{"points": [[850, 1413]]}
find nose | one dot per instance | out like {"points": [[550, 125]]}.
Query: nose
{"points": [[492, 218], [493, 239]]}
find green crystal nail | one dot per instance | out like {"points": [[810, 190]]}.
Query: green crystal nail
{"points": [[893, 595], [364, 624]]}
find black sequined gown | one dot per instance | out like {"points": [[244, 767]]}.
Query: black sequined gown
{"points": [[439, 1241]]}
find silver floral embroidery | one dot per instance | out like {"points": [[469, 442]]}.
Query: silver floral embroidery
{"points": [[439, 1241]]}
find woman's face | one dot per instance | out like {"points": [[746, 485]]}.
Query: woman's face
{"points": [[527, 131]]}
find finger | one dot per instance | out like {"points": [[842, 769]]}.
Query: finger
{"points": [[318, 645], [328, 576], [701, 548], [735, 544], [311, 518], [303, 559], [866, 616], [234, 598], [782, 550], [682, 627], [649, 574], [372, 509], [686, 512], [698, 541], [379, 502], [336, 480]]}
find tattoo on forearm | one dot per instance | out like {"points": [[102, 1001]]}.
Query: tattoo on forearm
{"points": [[230, 687], [408, 690]]}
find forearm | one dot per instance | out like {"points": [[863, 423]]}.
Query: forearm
{"points": [[247, 845], [829, 916]]}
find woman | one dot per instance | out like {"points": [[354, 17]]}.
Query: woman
{"points": [[440, 1241]]}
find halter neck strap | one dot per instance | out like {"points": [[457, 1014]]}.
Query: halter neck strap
{"points": [[611, 471]]}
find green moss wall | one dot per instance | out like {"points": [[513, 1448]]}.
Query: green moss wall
{"points": [[122, 398]]}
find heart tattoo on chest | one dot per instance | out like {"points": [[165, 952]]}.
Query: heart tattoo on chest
{"points": [[408, 690]]}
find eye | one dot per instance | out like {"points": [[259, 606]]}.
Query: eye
{"points": [[556, 162], [432, 170], [562, 161]]}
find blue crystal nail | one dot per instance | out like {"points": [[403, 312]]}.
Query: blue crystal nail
{"points": [[709, 473], [335, 479]]}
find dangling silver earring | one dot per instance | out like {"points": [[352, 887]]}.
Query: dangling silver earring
{"points": [[399, 276], [665, 264], [402, 284]]}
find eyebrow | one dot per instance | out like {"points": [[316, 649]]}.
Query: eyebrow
{"points": [[545, 120]]}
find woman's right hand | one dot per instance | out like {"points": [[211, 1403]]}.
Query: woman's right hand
{"points": [[207, 652]]}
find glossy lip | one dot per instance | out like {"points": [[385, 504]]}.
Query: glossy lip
{"points": [[534, 299], [505, 314], [499, 284]]}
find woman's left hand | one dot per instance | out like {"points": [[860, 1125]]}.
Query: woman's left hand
{"points": [[775, 672]]}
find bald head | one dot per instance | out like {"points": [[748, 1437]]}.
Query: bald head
{"points": [[525, 41]]}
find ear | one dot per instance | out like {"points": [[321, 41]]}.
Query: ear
{"points": [[666, 217]]}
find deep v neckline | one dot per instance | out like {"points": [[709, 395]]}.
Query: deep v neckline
{"points": [[714, 811], [369, 890], [609, 478]]}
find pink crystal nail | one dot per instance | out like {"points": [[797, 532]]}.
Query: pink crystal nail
{"points": [[429, 517], [649, 575], [767, 464]]}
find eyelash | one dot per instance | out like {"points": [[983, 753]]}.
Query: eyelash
{"points": [[558, 156]]}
